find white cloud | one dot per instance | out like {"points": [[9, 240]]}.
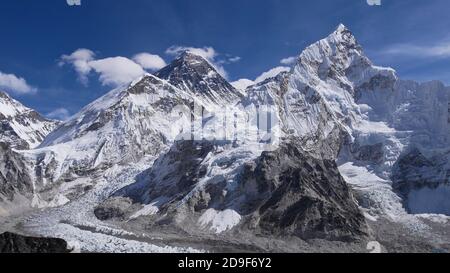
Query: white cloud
{"points": [[59, 114], [271, 73], [15, 84], [117, 70], [289, 60], [80, 59], [234, 59], [242, 84], [208, 53], [149, 61], [441, 50], [112, 71]]}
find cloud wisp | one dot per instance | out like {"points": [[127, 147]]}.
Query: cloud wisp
{"points": [[116, 71], [15, 84], [289, 60], [79, 59], [149, 61], [59, 114], [210, 54], [242, 84], [440, 50], [112, 71]]}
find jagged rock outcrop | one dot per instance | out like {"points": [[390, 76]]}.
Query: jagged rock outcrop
{"points": [[14, 243], [296, 194], [192, 73], [423, 183], [15, 176], [286, 192]]}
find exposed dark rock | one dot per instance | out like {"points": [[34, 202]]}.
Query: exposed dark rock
{"points": [[174, 174], [300, 195], [414, 170], [370, 153], [114, 208], [194, 74], [286, 192], [14, 243], [14, 176]]}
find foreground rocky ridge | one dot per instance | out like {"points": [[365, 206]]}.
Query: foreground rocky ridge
{"points": [[14, 243]]}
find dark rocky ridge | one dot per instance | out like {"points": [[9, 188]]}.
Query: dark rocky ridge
{"points": [[14, 176], [14, 243], [300, 195], [286, 192], [193, 73], [414, 172]]}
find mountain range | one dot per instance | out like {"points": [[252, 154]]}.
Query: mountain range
{"points": [[331, 155]]}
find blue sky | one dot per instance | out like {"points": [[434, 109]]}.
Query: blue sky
{"points": [[244, 38]]}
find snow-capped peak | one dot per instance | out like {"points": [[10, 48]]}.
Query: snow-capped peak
{"points": [[341, 27], [9, 106], [193, 73], [22, 127], [343, 34], [340, 48]]}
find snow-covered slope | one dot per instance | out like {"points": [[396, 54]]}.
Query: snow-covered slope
{"points": [[22, 127], [130, 124], [15, 177], [124, 126]]}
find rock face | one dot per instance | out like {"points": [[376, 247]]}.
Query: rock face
{"points": [[193, 73], [296, 194], [423, 183], [21, 127], [15, 177], [174, 175], [14, 243], [282, 192]]}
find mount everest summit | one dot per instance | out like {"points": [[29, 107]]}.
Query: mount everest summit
{"points": [[335, 151]]}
